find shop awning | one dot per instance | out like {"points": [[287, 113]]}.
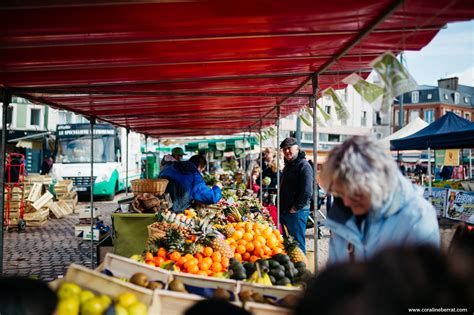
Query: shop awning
{"points": [[229, 144], [184, 68]]}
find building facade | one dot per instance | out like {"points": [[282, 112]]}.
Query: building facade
{"points": [[431, 102]]}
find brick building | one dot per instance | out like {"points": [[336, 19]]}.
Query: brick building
{"points": [[431, 102]]}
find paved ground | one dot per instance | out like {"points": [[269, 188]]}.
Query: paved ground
{"points": [[47, 251]]}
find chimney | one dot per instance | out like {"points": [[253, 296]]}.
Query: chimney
{"points": [[449, 83]]}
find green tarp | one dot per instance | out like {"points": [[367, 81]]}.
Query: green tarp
{"points": [[130, 232], [229, 144]]}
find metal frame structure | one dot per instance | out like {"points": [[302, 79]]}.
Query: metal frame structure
{"points": [[124, 90]]}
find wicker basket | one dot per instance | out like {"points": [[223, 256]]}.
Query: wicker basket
{"points": [[153, 186]]}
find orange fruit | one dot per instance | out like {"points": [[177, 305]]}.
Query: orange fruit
{"points": [[267, 250], [207, 260], [257, 244], [241, 249], [237, 235], [204, 266], [249, 247], [194, 269], [247, 236], [151, 263], [209, 272], [148, 256], [174, 256], [190, 263], [207, 252], [202, 273], [188, 256], [242, 242], [261, 239], [276, 250], [253, 259], [216, 266], [233, 247], [248, 226], [225, 262], [158, 261], [259, 252], [216, 256], [246, 256], [238, 257], [162, 252], [181, 261], [198, 256]]}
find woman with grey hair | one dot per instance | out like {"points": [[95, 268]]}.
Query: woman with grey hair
{"points": [[374, 205]]}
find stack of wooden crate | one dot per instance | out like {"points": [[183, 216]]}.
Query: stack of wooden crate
{"points": [[14, 200], [37, 205], [66, 194]]}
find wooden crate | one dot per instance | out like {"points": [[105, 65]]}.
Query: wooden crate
{"points": [[37, 216], [266, 309], [43, 200], [206, 285], [35, 192], [123, 267], [58, 210], [101, 284], [68, 195], [72, 203], [65, 206], [173, 303], [63, 187]]}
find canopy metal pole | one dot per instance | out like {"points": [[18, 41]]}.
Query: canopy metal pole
{"points": [[278, 166], [92, 123], [470, 163], [312, 100], [430, 193], [146, 156], [245, 152], [7, 98], [261, 164], [126, 165]]}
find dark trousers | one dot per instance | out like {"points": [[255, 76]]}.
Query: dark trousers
{"points": [[296, 225]]}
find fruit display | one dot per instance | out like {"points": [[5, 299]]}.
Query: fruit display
{"points": [[72, 300], [149, 203]]}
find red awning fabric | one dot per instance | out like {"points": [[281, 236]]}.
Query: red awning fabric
{"points": [[183, 68]]}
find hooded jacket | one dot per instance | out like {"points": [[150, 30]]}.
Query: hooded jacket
{"points": [[406, 218], [186, 184], [296, 186]]}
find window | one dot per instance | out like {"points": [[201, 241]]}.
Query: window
{"points": [[35, 117], [429, 96], [323, 137], [446, 97], [466, 99], [395, 117], [334, 138], [307, 136], [378, 118], [363, 118], [413, 115], [429, 115], [456, 98], [467, 116], [415, 97], [327, 109]]}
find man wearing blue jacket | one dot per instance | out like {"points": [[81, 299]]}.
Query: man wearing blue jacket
{"points": [[375, 206], [296, 189], [186, 184]]}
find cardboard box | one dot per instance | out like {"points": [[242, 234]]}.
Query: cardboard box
{"points": [[84, 231]]}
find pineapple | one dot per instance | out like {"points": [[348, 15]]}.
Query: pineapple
{"points": [[293, 250], [227, 230], [206, 235], [192, 248], [174, 240]]}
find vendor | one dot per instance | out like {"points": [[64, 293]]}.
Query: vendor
{"points": [[186, 184], [177, 153]]}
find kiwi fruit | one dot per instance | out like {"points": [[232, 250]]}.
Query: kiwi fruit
{"points": [[178, 286], [221, 294], [140, 279], [155, 285]]}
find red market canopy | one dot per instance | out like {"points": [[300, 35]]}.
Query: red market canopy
{"points": [[183, 68]]}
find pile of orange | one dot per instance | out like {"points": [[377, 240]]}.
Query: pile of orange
{"points": [[206, 263], [252, 241]]}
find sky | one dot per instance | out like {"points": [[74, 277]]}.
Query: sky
{"points": [[450, 53]]}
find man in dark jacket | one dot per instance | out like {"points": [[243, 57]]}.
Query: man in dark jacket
{"points": [[296, 189], [186, 184]]}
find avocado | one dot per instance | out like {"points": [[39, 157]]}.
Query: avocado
{"points": [[263, 263], [277, 273], [272, 279], [240, 275], [272, 263], [300, 264], [291, 273], [288, 265], [281, 258], [283, 281], [280, 267]]}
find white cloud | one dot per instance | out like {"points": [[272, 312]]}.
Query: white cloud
{"points": [[466, 77]]}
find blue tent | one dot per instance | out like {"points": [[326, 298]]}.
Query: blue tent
{"points": [[448, 132]]}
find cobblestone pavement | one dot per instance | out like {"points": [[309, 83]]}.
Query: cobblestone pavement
{"points": [[46, 252]]}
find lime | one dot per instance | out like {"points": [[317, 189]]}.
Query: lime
{"points": [[68, 306]]}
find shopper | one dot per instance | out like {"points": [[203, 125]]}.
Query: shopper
{"points": [[269, 169], [252, 179], [296, 189], [374, 205], [46, 165], [166, 161], [177, 153], [186, 184]]}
